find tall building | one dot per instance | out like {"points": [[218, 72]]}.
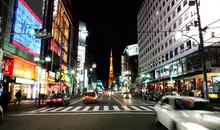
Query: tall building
{"points": [[129, 64], [167, 61], [111, 74]]}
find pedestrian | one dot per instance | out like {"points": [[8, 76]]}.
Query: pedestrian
{"points": [[36, 97], [4, 100], [18, 98]]}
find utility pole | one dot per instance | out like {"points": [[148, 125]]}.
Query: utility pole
{"points": [[202, 49]]}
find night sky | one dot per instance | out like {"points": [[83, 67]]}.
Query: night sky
{"points": [[111, 24]]}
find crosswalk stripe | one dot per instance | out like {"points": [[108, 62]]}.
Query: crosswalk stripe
{"points": [[86, 108], [77, 108], [39, 109], [96, 108], [47, 109], [151, 107], [136, 108], [116, 108], [57, 109], [145, 108], [66, 109], [126, 108], [106, 108]]}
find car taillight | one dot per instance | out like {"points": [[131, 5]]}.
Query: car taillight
{"points": [[47, 100], [83, 98], [59, 99]]}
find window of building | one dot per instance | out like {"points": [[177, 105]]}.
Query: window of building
{"points": [[158, 40], [163, 3], [162, 47], [158, 50], [165, 23], [173, 2], [167, 56], [170, 41], [166, 45], [171, 54], [182, 47], [170, 30], [180, 20], [179, 9], [174, 13], [169, 19], [164, 13], [176, 51], [174, 26], [165, 34], [168, 8], [184, 2], [186, 15], [188, 44]]}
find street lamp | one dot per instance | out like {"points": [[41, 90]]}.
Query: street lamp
{"points": [[37, 59]]}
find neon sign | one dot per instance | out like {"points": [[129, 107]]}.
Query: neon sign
{"points": [[25, 20]]}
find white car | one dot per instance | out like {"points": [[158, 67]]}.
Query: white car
{"points": [[186, 113], [1, 113]]}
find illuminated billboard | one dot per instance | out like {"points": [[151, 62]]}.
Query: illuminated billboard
{"points": [[24, 21], [60, 30], [132, 50]]}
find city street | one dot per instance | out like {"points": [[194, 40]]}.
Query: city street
{"points": [[110, 113]]}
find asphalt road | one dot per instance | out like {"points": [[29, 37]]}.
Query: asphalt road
{"points": [[80, 122], [109, 115]]}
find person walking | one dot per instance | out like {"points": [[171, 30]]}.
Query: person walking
{"points": [[18, 98]]}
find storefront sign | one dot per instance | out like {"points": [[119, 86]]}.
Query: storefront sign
{"points": [[24, 81], [8, 65], [23, 69], [52, 74]]}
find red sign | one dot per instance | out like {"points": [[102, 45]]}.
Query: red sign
{"points": [[54, 47], [8, 67]]}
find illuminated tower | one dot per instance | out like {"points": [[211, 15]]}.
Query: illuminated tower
{"points": [[111, 75]]}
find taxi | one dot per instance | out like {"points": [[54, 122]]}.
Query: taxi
{"points": [[90, 97]]}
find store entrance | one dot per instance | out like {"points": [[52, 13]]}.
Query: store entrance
{"points": [[26, 91]]}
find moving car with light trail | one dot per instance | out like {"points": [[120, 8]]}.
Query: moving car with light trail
{"points": [[58, 99], [90, 97], [186, 113], [126, 95]]}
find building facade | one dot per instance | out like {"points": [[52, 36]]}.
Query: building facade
{"points": [[167, 61], [19, 69]]}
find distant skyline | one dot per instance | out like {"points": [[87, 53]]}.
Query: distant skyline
{"points": [[111, 24]]}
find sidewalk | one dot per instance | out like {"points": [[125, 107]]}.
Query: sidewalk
{"points": [[24, 105]]}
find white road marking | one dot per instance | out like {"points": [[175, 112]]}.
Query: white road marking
{"points": [[40, 109], [141, 102], [116, 108], [151, 107], [106, 108], [77, 108], [101, 97], [86, 108], [87, 113], [96, 108], [145, 108], [136, 108], [59, 108], [66, 109], [126, 108], [47, 109]]}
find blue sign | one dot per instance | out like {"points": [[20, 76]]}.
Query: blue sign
{"points": [[24, 21]]}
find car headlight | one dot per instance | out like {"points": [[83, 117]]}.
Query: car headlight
{"points": [[193, 126]]}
